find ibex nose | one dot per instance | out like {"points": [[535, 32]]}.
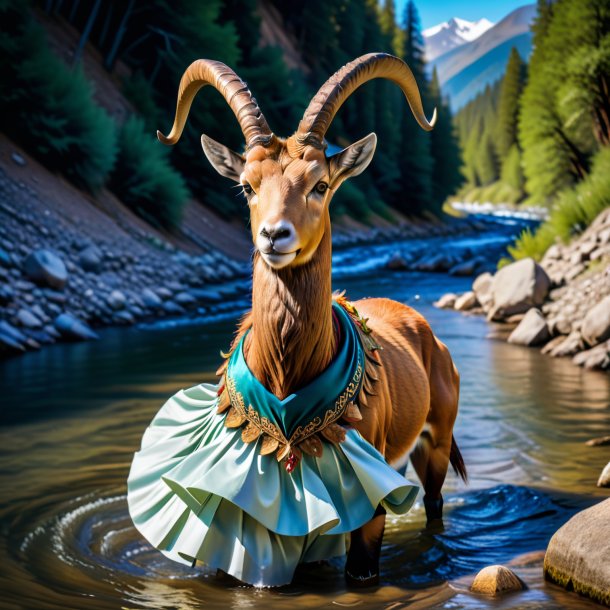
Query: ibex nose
{"points": [[281, 235]]}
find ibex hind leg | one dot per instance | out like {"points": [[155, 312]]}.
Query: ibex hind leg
{"points": [[362, 565], [431, 461]]}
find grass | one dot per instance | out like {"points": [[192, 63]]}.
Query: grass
{"points": [[574, 210]]}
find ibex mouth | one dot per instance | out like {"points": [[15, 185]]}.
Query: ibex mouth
{"points": [[278, 260]]}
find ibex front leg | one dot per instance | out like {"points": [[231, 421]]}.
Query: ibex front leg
{"points": [[362, 565]]}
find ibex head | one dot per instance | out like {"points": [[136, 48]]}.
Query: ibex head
{"points": [[289, 183]]}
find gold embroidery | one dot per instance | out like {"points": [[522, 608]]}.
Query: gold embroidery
{"points": [[273, 437]]}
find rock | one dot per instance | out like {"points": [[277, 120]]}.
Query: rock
{"points": [[466, 301], [559, 326], [496, 580], [465, 268], [185, 299], [206, 295], [552, 344], [45, 267], [597, 357], [70, 327], [5, 259], [54, 296], [9, 345], [90, 259], [518, 287], [604, 481], [7, 294], [164, 293], [173, 308], [578, 555], [27, 319], [569, 346], [447, 301], [123, 317], [600, 252], [587, 247], [602, 441], [532, 330], [596, 323], [18, 159], [482, 289], [116, 300], [397, 262], [150, 299]]}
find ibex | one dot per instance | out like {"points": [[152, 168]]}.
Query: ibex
{"points": [[409, 399]]}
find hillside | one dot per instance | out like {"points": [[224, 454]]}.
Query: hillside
{"points": [[465, 70]]}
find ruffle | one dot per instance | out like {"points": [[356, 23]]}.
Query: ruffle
{"points": [[196, 491]]}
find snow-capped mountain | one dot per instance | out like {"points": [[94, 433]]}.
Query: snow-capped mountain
{"points": [[446, 36]]}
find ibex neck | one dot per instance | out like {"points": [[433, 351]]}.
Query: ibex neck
{"points": [[292, 337]]}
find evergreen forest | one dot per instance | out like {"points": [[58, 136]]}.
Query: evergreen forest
{"points": [[538, 136]]}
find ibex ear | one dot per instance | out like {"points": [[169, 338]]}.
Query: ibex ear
{"points": [[352, 160], [226, 162]]}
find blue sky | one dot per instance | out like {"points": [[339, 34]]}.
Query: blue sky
{"points": [[432, 12]]}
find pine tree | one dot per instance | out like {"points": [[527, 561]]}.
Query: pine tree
{"points": [[444, 148], [416, 163], [508, 106], [565, 107]]}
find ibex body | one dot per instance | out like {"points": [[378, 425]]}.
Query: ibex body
{"points": [[409, 397]]}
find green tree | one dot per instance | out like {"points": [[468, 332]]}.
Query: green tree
{"points": [[416, 163], [444, 148], [565, 107], [508, 105]]}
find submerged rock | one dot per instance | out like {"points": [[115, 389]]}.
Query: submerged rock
{"points": [[465, 302], [447, 301], [578, 555], [496, 580]]}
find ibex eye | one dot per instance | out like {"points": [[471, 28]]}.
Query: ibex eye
{"points": [[247, 188], [321, 187]]}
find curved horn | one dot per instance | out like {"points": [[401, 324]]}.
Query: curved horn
{"points": [[207, 72], [330, 97]]}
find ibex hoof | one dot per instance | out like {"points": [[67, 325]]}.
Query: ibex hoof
{"points": [[361, 581], [434, 512]]}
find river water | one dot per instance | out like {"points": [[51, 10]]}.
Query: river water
{"points": [[72, 416]]}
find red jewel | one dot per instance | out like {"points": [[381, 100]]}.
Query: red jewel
{"points": [[220, 390], [291, 462]]}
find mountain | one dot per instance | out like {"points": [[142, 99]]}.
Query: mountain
{"points": [[446, 36], [466, 69]]}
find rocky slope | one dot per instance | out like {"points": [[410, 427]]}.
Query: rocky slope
{"points": [[561, 305], [69, 263]]}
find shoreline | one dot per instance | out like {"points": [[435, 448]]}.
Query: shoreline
{"points": [[560, 305], [71, 264]]}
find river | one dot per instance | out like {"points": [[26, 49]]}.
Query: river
{"points": [[72, 416]]}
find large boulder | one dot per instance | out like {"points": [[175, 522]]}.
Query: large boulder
{"points": [[532, 330], [578, 555], [517, 288], [596, 324], [482, 289], [46, 268]]}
